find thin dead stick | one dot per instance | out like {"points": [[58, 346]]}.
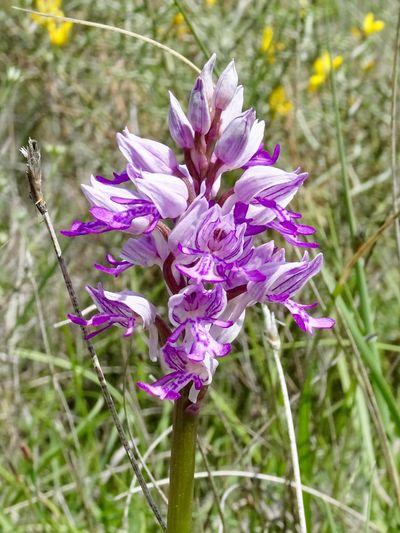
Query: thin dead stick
{"points": [[34, 174], [274, 341]]}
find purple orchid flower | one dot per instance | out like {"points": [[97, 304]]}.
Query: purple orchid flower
{"points": [[126, 309], [205, 242]]}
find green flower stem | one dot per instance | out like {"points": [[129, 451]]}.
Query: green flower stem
{"points": [[181, 476]]}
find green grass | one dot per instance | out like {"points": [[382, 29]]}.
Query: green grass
{"points": [[61, 465]]}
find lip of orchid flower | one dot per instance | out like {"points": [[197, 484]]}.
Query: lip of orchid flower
{"points": [[306, 322], [263, 158], [193, 310], [134, 220], [218, 241], [185, 371]]}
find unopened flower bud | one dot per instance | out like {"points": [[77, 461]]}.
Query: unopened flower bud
{"points": [[199, 112], [234, 140], [206, 76], [226, 87], [179, 125]]}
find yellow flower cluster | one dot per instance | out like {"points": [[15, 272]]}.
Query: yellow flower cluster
{"points": [[268, 46], [278, 103], [58, 31], [370, 25], [322, 67]]}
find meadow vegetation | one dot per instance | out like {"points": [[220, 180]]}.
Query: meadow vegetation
{"points": [[320, 74]]}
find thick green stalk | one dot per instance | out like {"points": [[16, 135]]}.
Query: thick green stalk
{"points": [[181, 475]]}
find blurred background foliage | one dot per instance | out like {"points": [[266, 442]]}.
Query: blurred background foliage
{"points": [[72, 88]]}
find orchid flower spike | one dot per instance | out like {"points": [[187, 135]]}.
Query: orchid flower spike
{"points": [[179, 218]]}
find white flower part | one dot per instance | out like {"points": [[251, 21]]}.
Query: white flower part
{"points": [[188, 223], [256, 179], [206, 76], [233, 110], [205, 370], [226, 87], [146, 154], [255, 139], [99, 194], [137, 303], [168, 193], [235, 311]]}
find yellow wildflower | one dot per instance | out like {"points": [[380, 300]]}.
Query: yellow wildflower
{"points": [[268, 46], [370, 25], [268, 35], [211, 2], [278, 102], [322, 66], [178, 21], [58, 31]]}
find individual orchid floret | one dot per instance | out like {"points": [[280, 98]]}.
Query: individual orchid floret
{"points": [[145, 251], [266, 191], [125, 309], [183, 372], [179, 126], [231, 145], [199, 112], [213, 249], [226, 87], [282, 282], [306, 322], [193, 311]]}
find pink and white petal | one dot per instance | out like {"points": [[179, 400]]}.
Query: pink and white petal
{"points": [[137, 303], [255, 139], [233, 110], [188, 223], [146, 154], [167, 387], [168, 193]]}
